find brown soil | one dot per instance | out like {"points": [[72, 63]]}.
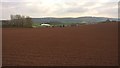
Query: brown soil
{"points": [[87, 45]]}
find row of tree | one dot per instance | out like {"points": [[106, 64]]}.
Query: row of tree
{"points": [[18, 21]]}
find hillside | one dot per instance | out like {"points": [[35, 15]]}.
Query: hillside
{"points": [[87, 20]]}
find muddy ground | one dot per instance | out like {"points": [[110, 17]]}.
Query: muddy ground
{"points": [[86, 45]]}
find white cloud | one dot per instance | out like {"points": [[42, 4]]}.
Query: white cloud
{"points": [[60, 8]]}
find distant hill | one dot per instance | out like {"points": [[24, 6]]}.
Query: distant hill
{"points": [[87, 20]]}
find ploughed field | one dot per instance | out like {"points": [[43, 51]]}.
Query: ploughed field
{"points": [[86, 45]]}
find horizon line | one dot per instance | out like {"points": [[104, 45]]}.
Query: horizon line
{"points": [[66, 17]]}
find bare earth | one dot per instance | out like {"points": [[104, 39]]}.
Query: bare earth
{"points": [[87, 45]]}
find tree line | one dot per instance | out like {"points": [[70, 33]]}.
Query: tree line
{"points": [[18, 21]]}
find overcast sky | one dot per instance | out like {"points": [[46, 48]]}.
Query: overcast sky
{"points": [[59, 8]]}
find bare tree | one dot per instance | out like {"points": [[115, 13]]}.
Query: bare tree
{"points": [[28, 22], [21, 21]]}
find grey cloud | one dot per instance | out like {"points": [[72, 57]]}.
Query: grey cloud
{"points": [[108, 9], [21, 1], [72, 7], [89, 4], [112, 12], [77, 10], [9, 8]]}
